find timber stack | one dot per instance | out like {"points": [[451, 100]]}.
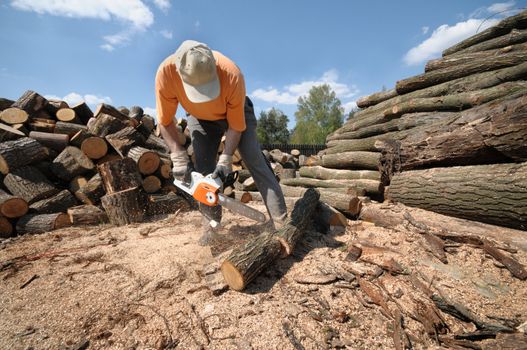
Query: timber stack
{"points": [[65, 165], [451, 140]]}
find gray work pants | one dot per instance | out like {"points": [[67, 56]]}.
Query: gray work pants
{"points": [[206, 137]]}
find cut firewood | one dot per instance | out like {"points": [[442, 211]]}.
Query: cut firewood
{"points": [[321, 173], [6, 228], [245, 262], [30, 184], [54, 105], [147, 125], [31, 102], [119, 175], [108, 158], [147, 161], [87, 215], [77, 182], [165, 169], [372, 187], [70, 163], [151, 184], [106, 109], [14, 115], [12, 206], [169, 203], [55, 204], [352, 160], [83, 112], [41, 223], [8, 133], [79, 137], [106, 124], [373, 99], [349, 204], [123, 140], [54, 141], [328, 218], [156, 143], [124, 207], [68, 115], [94, 147], [92, 192], [67, 128], [5, 103], [136, 113], [17, 153]]}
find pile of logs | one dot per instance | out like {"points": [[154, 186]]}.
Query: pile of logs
{"points": [[59, 163], [451, 140]]}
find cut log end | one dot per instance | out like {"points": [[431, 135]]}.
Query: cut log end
{"points": [[94, 147], [62, 220], [14, 116], [66, 115], [233, 277], [14, 208]]}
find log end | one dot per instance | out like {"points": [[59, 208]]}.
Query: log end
{"points": [[4, 167], [233, 277], [94, 147], [62, 220], [148, 163], [6, 228], [14, 208]]}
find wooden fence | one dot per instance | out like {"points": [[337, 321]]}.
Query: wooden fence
{"points": [[305, 149]]}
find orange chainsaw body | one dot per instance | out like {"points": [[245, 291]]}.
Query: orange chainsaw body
{"points": [[206, 193]]}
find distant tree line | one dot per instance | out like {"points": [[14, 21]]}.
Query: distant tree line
{"points": [[318, 114]]}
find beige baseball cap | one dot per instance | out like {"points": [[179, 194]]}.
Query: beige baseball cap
{"points": [[197, 68]]}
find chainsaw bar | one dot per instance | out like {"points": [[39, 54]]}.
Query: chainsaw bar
{"points": [[240, 208]]}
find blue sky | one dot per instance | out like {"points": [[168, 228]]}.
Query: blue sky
{"points": [[109, 51]]}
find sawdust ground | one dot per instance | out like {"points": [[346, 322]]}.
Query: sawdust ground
{"points": [[146, 286]]}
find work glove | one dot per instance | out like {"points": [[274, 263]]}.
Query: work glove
{"points": [[224, 167], [180, 162]]}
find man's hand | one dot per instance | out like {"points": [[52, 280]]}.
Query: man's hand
{"points": [[180, 162], [224, 167]]}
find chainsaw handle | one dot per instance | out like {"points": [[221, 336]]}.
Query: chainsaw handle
{"points": [[230, 179]]}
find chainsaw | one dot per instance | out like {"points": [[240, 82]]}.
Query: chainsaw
{"points": [[208, 191]]}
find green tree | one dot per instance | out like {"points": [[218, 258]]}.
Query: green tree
{"points": [[351, 113], [272, 127], [319, 114]]}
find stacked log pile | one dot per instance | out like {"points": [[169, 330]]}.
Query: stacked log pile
{"points": [[64, 165], [451, 140]]}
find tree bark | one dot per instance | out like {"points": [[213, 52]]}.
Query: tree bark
{"points": [[92, 192], [248, 260], [12, 206], [94, 147], [31, 102], [493, 133], [329, 218], [70, 163], [146, 126], [470, 83], [67, 128], [495, 194], [87, 215], [106, 109], [475, 66], [136, 113], [54, 141], [18, 153], [123, 140], [83, 112], [147, 161], [458, 101], [405, 122], [79, 137], [375, 98], [124, 207], [321, 173], [372, 187], [518, 21], [464, 57], [41, 223], [55, 204], [119, 175], [162, 204], [8, 133], [6, 228], [348, 203], [105, 125], [5, 103], [165, 169], [352, 160], [30, 184], [390, 215], [14, 115], [77, 182], [156, 143], [54, 105]]}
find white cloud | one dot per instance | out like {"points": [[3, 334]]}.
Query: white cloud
{"points": [[134, 12], [150, 111], [73, 98], [197, 24], [166, 33], [163, 5], [425, 30], [349, 106], [501, 7], [444, 37], [289, 94], [136, 16]]}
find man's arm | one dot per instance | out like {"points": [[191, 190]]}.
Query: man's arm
{"points": [[232, 138], [170, 135]]}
